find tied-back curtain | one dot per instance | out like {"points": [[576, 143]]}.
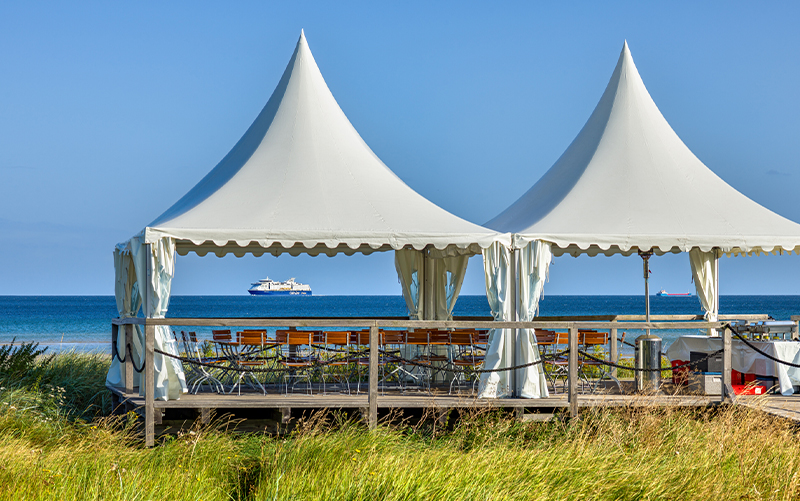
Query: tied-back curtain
{"points": [[705, 269], [534, 264], [497, 264], [450, 277], [170, 382], [409, 271], [126, 292]]}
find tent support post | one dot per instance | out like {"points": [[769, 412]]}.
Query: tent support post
{"points": [[727, 394], [149, 386], [372, 396], [646, 263], [573, 371], [149, 356], [511, 346], [128, 358], [614, 348]]}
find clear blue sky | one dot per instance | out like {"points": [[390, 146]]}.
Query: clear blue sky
{"points": [[110, 111]]}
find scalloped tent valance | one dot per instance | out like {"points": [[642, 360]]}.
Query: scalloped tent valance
{"points": [[302, 180], [628, 183]]}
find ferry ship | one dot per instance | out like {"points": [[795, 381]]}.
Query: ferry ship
{"points": [[269, 287], [662, 292]]}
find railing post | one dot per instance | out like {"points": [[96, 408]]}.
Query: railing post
{"points": [[149, 385], [726, 394], [614, 349], [114, 347], [128, 358], [573, 371], [372, 396]]}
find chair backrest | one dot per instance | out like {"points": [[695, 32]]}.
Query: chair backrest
{"points": [[438, 337], [360, 338], [483, 336], [590, 338], [545, 337], [294, 338], [551, 337], [393, 337], [252, 337], [417, 337], [336, 338], [222, 335], [463, 338]]}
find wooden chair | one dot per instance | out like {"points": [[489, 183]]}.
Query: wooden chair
{"points": [[297, 356], [336, 356], [199, 374], [595, 343], [251, 347], [467, 355], [550, 342]]}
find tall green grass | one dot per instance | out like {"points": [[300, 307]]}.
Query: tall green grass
{"points": [[51, 449]]}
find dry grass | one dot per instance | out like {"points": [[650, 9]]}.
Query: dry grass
{"points": [[47, 451]]}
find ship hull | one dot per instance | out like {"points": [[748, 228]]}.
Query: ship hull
{"points": [[280, 293], [670, 294]]}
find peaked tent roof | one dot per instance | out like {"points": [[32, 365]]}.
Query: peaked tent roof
{"points": [[301, 180], [627, 182]]}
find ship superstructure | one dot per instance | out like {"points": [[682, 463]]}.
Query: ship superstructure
{"points": [[269, 287]]}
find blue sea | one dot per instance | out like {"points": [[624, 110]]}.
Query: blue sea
{"points": [[84, 322]]}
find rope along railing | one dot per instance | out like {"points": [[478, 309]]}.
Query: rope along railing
{"points": [[404, 361], [394, 359], [637, 369], [128, 355], [312, 364]]}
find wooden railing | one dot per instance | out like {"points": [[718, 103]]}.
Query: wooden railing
{"points": [[573, 324]]}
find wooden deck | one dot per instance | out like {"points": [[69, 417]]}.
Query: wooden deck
{"points": [[281, 408]]}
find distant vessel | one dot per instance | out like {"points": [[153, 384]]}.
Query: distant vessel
{"points": [[269, 287], [662, 292]]}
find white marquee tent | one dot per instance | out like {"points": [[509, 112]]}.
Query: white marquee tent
{"points": [[627, 183], [300, 180]]}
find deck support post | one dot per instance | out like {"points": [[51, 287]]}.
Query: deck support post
{"points": [[114, 347], [372, 396], [128, 358], [573, 371], [149, 385], [726, 394], [613, 349]]}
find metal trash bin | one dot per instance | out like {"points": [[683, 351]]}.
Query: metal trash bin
{"points": [[648, 356]]}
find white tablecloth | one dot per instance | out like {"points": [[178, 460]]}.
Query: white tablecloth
{"points": [[744, 359]]}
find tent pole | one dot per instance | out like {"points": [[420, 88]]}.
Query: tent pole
{"points": [[511, 346], [645, 262]]}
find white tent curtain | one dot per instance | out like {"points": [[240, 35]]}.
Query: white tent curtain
{"points": [[170, 382], [409, 265], [705, 272], [497, 265], [534, 263], [126, 291], [448, 276]]}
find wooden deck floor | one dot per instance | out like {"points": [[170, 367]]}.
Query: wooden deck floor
{"points": [[253, 400]]}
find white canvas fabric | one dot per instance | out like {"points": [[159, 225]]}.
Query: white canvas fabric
{"points": [[170, 382], [497, 263], [448, 277], [129, 301], [409, 265], [534, 263], [627, 182], [302, 180], [705, 272]]}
